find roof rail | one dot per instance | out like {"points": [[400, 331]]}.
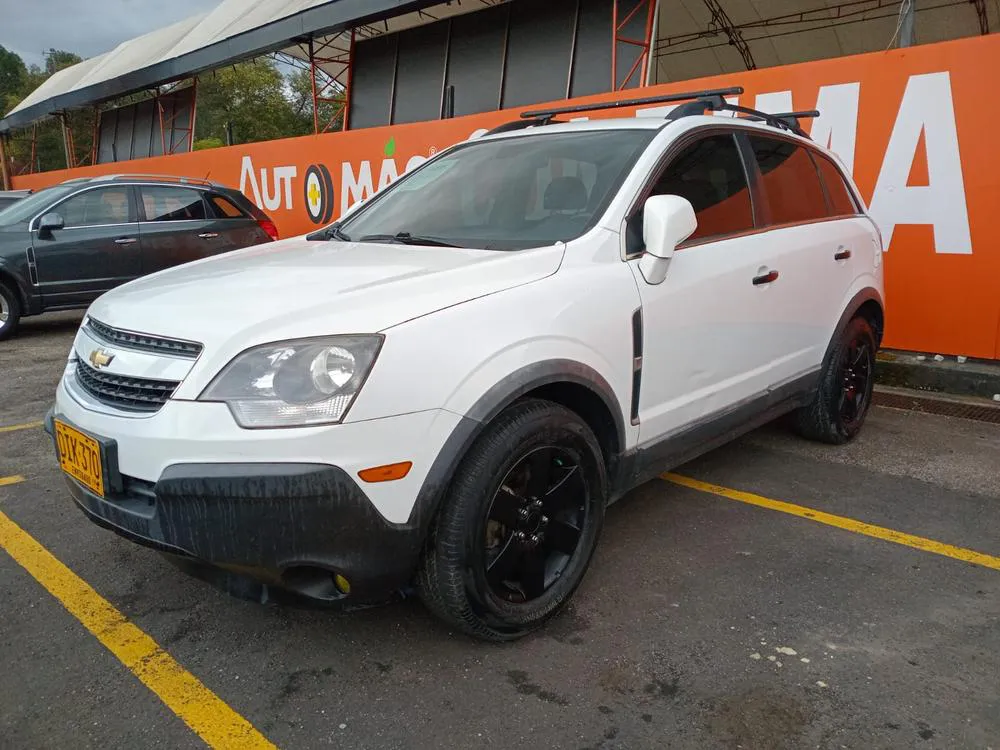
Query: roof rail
{"points": [[508, 127], [159, 177], [714, 95], [785, 121]]}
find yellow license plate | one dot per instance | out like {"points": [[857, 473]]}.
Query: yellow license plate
{"points": [[80, 457]]}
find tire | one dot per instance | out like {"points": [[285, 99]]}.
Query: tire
{"points": [[10, 311], [532, 487], [841, 404]]}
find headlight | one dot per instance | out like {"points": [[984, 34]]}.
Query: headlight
{"points": [[295, 383]]}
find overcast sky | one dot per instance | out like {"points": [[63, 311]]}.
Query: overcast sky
{"points": [[87, 27]]}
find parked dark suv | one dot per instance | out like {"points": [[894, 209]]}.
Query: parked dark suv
{"points": [[64, 246]]}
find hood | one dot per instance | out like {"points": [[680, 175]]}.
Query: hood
{"points": [[296, 288]]}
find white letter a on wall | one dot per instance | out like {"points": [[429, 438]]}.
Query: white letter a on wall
{"points": [[927, 109]]}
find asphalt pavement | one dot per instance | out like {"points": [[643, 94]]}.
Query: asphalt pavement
{"points": [[704, 621]]}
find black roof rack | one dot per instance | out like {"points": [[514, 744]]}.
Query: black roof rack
{"points": [[714, 95], [786, 121], [535, 118], [695, 103]]}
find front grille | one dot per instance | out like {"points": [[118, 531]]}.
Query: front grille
{"points": [[143, 342], [122, 391]]}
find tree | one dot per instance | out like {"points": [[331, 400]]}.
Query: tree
{"points": [[16, 82], [248, 99], [13, 79], [57, 59], [206, 143], [243, 103]]}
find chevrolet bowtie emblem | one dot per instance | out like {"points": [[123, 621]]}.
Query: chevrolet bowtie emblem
{"points": [[100, 358]]}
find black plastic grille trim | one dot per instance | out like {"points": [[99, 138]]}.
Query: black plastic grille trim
{"points": [[124, 392], [144, 342]]}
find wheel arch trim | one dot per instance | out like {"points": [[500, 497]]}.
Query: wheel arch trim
{"points": [[10, 275], [510, 388], [868, 294]]}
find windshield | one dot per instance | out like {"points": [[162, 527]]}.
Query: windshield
{"points": [[507, 194], [26, 208]]}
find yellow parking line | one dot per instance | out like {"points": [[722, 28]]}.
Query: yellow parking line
{"points": [[25, 426], [848, 524], [201, 709], [16, 479]]}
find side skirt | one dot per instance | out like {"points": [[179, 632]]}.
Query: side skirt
{"points": [[651, 459]]}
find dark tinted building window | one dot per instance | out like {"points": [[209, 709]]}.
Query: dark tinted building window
{"points": [[841, 202], [789, 180], [96, 207], [172, 204], [710, 174]]}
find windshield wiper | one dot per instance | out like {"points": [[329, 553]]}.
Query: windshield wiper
{"points": [[405, 238], [332, 232]]}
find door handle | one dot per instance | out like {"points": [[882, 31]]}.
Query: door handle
{"points": [[126, 241], [765, 278], [208, 235], [842, 254]]}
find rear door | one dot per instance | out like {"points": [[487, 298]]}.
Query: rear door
{"points": [[175, 227], [857, 248], [235, 228], [96, 250], [812, 246]]}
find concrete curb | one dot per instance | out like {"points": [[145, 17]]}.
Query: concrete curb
{"points": [[919, 372]]}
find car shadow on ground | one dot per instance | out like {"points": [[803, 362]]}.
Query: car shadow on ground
{"points": [[47, 325]]}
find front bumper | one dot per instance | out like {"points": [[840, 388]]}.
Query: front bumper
{"points": [[253, 528], [259, 512], [190, 432]]}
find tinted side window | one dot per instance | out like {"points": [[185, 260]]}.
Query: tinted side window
{"points": [[163, 203], [96, 207], [841, 202], [710, 174], [789, 180], [223, 208]]}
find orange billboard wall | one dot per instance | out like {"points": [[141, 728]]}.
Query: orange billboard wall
{"points": [[917, 127]]}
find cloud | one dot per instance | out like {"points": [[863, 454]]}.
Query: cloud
{"points": [[86, 28]]}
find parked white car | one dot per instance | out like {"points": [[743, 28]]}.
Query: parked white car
{"points": [[449, 386]]}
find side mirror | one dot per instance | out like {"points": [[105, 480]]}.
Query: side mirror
{"points": [[50, 222], [668, 220]]}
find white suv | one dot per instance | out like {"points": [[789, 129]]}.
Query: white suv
{"points": [[449, 386]]}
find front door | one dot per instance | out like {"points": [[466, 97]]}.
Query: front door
{"points": [[96, 249], [711, 342]]}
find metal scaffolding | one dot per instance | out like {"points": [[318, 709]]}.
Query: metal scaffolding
{"points": [[172, 135], [825, 17], [620, 43], [331, 68], [720, 24]]}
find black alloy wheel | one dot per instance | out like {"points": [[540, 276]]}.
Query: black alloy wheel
{"points": [[856, 385], [844, 395], [534, 523], [10, 311], [519, 524]]}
